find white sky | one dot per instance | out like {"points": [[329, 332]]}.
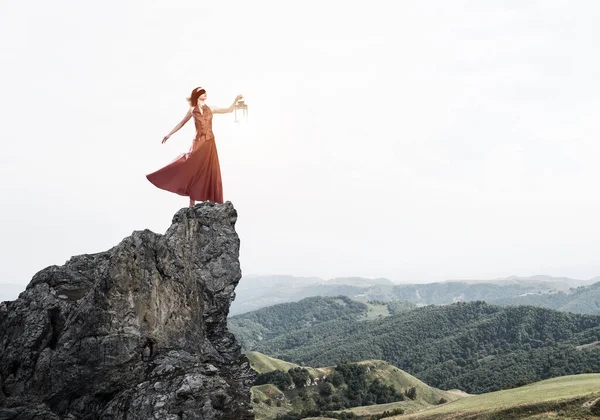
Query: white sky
{"points": [[414, 140]]}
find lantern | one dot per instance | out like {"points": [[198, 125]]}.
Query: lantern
{"points": [[241, 111]]}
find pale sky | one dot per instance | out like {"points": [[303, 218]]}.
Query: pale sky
{"points": [[413, 140]]}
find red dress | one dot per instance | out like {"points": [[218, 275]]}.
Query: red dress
{"points": [[197, 173]]}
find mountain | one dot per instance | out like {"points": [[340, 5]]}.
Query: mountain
{"points": [[556, 282], [475, 347], [583, 300], [361, 281], [262, 291], [137, 332], [257, 292], [264, 324], [270, 322]]}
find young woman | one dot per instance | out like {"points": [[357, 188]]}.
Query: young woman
{"points": [[195, 174]]}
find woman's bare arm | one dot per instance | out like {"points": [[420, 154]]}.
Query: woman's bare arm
{"points": [[216, 110], [185, 119]]}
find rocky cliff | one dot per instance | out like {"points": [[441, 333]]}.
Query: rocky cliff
{"points": [[136, 332]]}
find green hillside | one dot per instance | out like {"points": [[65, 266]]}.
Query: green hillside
{"points": [[573, 397], [265, 398], [266, 323], [399, 379], [566, 397], [273, 321], [261, 363], [270, 401], [570, 397], [474, 346]]}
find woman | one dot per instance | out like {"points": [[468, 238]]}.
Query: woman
{"points": [[195, 174]]}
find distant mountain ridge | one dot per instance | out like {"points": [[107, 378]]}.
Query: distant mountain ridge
{"points": [[255, 292], [361, 281], [582, 300], [560, 281]]}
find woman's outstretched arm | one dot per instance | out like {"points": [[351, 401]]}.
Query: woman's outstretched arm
{"points": [[187, 117], [226, 110]]}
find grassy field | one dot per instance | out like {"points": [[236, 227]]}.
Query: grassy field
{"points": [[565, 397], [262, 363], [268, 392], [408, 406], [376, 312]]}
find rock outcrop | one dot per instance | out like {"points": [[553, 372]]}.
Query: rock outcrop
{"points": [[136, 332]]}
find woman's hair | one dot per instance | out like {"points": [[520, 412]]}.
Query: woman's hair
{"points": [[193, 99]]}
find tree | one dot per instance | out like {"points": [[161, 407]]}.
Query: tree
{"points": [[280, 379], [326, 389], [336, 379], [300, 376]]}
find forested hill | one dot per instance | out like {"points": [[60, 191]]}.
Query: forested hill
{"points": [[474, 346], [264, 324]]}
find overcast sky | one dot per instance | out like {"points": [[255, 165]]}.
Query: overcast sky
{"points": [[413, 140]]}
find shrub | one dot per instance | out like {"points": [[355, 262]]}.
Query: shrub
{"points": [[280, 379], [326, 389], [411, 393], [385, 414], [336, 379], [299, 376]]}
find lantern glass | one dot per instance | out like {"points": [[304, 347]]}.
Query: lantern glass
{"points": [[241, 112]]}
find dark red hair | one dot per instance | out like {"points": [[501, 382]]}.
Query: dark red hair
{"points": [[193, 99]]}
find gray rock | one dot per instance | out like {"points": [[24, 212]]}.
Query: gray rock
{"points": [[136, 332]]}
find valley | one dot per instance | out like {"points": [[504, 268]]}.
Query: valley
{"points": [[475, 347]]}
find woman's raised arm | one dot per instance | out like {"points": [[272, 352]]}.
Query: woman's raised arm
{"points": [[226, 110]]}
